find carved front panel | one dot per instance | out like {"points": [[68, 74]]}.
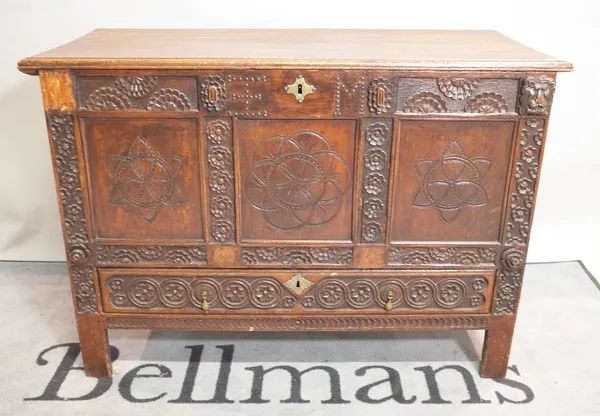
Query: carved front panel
{"points": [[145, 178], [286, 292], [296, 179], [450, 180]]}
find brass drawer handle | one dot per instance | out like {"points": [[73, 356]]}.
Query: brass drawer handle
{"points": [[205, 305], [388, 304]]}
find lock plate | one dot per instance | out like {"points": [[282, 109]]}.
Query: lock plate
{"points": [[300, 88], [298, 284]]}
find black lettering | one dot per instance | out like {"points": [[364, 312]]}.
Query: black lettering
{"points": [[127, 381], [63, 370], [529, 396], [189, 381], [296, 384], [393, 379], [434, 388]]}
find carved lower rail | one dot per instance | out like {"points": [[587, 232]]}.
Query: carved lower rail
{"points": [[300, 323]]}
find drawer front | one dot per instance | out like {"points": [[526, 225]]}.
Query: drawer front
{"points": [[287, 292]]}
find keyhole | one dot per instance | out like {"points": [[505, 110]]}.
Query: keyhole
{"points": [[299, 89], [298, 284]]}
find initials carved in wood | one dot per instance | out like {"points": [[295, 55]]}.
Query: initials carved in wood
{"points": [[296, 180], [452, 182], [144, 180]]}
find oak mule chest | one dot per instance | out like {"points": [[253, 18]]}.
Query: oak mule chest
{"points": [[296, 180]]}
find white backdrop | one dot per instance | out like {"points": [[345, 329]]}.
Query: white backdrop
{"points": [[566, 219]]}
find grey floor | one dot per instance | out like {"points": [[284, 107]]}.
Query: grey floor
{"points": [[555, 368]]}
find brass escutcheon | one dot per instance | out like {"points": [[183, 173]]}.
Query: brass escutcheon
{"points": [[300, 88], [298, 284]]}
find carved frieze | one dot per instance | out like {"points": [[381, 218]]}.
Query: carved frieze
{"points": [[112, 255], [457, 95], [231, 293], [145, 92], [79, 251], [297, 256], [377, 147], [219, 162], [442, 256]]}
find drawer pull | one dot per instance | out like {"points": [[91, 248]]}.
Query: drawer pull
{"points": [[388, 304], [300, 88], [205, 305]]}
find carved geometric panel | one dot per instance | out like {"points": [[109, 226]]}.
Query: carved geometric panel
{"points": [[377, 145], [218, 146], [144, 179], [143, 92], [199, 294], [296, 179], [144, 174], [450, 180]]}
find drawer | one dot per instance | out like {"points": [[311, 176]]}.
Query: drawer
{"points": [[289, 292]]}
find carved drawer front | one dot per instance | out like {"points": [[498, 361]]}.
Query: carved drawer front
{"points": [[450, 180], [296, 179], [144, 177], [137, 92], [267, 291]]}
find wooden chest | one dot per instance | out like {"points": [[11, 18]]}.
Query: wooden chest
{"points": [[296, 180]]}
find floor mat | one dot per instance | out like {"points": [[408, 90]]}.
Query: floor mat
{"points": [[554, 366]]}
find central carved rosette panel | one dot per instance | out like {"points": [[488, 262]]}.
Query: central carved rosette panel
{"points": [[296, 180]]}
